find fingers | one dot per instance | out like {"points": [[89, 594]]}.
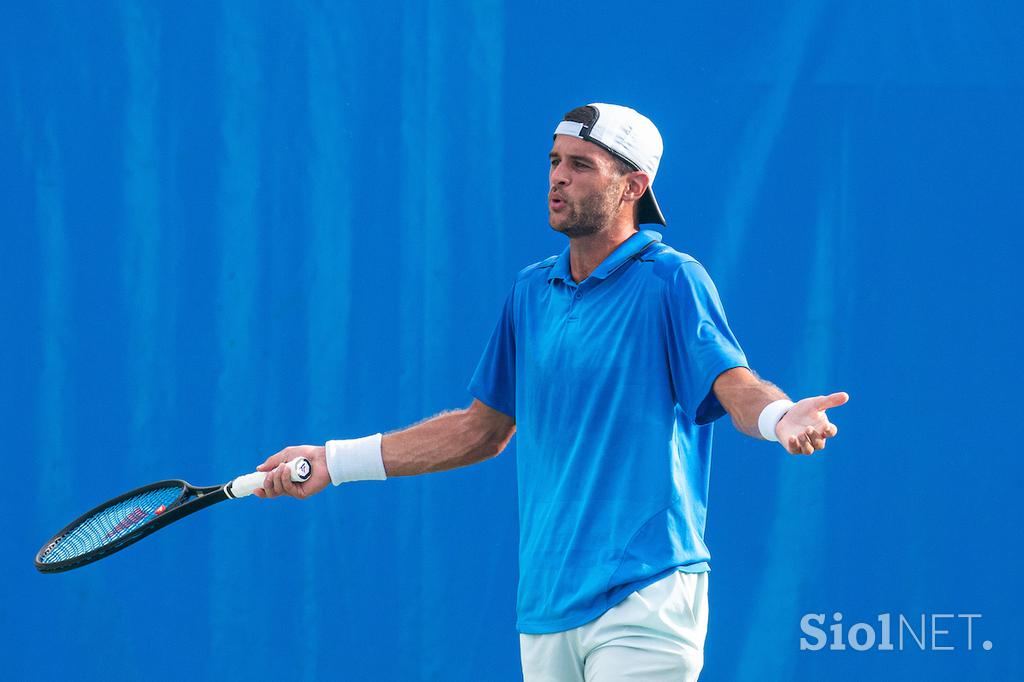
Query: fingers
{"points": [[833, 400], [289, 487], [807, 441], [273, 484], [275, 459], [800, 445], [814, 439], [279, 482]]}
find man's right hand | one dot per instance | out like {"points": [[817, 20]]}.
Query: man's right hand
{"points": [[279, 482]]}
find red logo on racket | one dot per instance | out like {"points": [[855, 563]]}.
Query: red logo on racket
{"points": [[127, 522]]}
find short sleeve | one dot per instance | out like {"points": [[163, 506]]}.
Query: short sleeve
{"points": [[494, 381], [701, 345]]}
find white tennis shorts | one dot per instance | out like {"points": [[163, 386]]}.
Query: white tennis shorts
{"points": [[656, 634]]}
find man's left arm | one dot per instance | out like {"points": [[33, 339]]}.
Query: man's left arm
{"points": [[803, 429]]}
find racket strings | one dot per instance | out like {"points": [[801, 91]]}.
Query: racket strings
{"points": [[112, 523]]}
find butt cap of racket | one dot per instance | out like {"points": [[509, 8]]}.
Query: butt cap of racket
{"points": [[301, 469]]}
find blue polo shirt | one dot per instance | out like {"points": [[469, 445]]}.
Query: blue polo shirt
{"points": [[609, 381]]}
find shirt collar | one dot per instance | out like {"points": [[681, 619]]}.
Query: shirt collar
{"points": [[626, 250]]}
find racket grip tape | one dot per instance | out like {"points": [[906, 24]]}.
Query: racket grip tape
{"points": [[300, 469]]}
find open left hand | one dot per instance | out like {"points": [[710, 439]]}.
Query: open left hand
{"points": [[805, 428]]}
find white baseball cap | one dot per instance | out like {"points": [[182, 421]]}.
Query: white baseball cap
{"points": [[628, 135]]}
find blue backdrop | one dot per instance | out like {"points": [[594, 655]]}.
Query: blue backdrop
{"points": [[238, 226]]}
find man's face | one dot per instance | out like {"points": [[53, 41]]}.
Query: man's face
{"points": [[585, 187]]}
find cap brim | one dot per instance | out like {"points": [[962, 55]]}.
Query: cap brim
{"points": [[648, 210]]}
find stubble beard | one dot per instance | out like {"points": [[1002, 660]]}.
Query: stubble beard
{"points": [[589, 215]]}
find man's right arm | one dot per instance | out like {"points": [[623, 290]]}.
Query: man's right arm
{"points": [[446, 441]]}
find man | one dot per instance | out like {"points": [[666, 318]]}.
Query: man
{"points": [[611, 360]]}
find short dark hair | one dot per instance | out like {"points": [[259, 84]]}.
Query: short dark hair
{"points": [[622, 166]]}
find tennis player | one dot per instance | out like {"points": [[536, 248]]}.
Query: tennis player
{"points": [[611, 360]]}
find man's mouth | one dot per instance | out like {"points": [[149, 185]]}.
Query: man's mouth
{"points": [[555, 203]]}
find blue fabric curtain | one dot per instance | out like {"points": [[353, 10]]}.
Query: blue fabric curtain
{"points": [[233, 227]]}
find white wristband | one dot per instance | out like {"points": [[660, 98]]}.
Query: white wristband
{"points": [[770, 416], [355, 460]]}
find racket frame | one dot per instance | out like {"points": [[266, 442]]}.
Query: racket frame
{"points": [[191, 500]]}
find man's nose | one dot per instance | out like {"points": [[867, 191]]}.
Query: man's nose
{"points": [[559, 177]]}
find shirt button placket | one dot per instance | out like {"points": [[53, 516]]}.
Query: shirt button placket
{"points": [[574, 297]]}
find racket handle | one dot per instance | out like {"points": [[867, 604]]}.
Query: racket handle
{"points": [[300, 468]]}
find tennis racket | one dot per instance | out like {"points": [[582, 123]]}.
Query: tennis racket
{"points": [[128, 518]]}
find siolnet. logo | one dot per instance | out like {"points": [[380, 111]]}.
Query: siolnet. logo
{"points": [[894, 632]]}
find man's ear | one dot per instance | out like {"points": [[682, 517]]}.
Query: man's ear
{"points": [[637, 183]]}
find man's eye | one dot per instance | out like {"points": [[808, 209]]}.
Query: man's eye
{"points": [[580, 164]]}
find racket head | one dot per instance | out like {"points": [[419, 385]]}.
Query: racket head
{"points": [[122, 521]]}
